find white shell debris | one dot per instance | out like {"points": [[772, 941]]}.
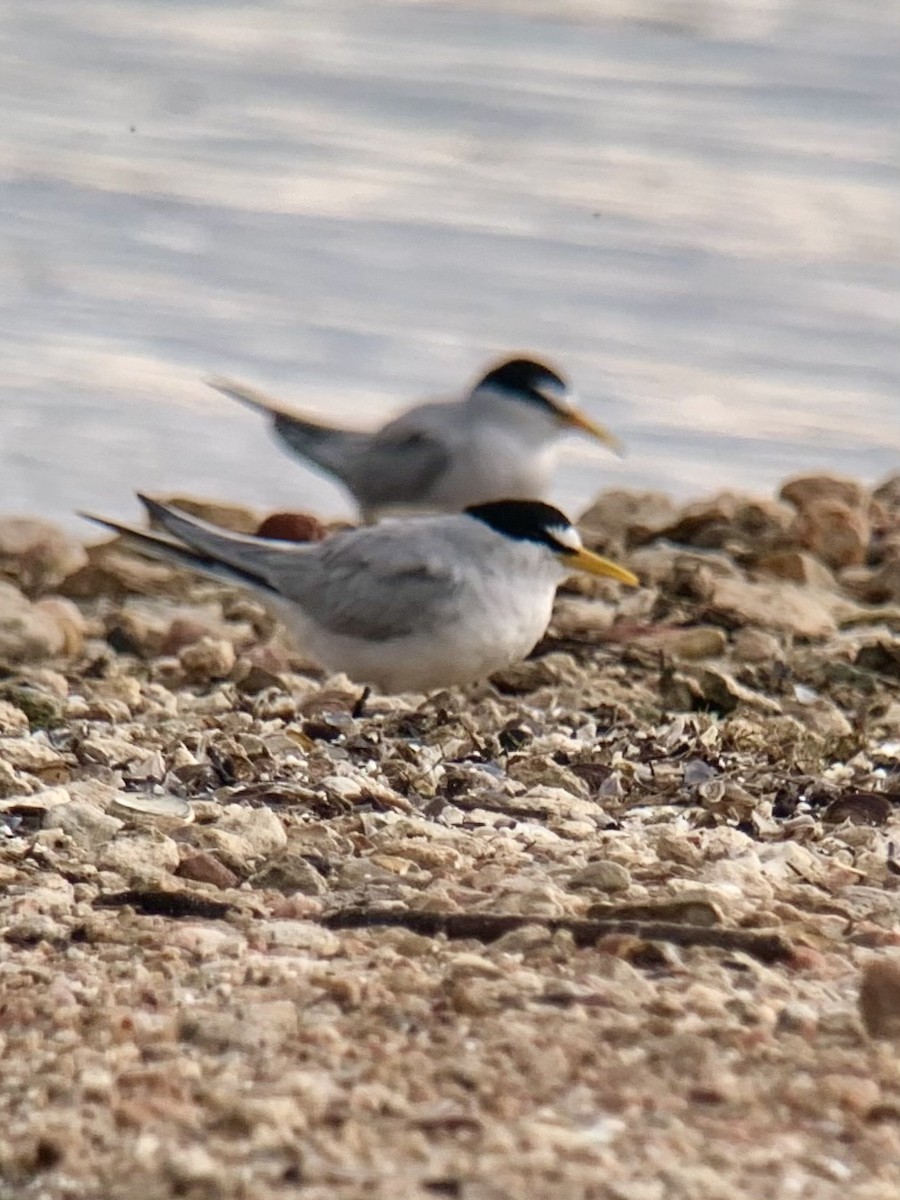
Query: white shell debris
{"points": [[160, 809]]}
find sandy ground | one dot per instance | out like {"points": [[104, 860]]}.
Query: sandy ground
{"points": [[622, 925]]}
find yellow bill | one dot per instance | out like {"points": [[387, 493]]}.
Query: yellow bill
{"points": [[593, 564], [579, 420]]}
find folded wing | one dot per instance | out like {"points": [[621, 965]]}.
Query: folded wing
{"points": [[374, 584]]}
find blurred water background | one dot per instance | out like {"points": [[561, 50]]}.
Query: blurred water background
{"points": [[690, 205]]}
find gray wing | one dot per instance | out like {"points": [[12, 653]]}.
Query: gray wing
{"points": [[327, 446], [397, 465], [403, 461], [376, 583]]}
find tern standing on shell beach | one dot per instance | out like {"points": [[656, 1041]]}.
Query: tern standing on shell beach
{"points": [[409, 605]]}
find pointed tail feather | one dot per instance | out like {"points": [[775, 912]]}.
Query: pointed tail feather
{"points": [[176, 555], [266, 562], [330, 448], [250, 396]]}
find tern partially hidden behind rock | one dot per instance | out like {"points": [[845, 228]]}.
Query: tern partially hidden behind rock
{"points": [[407, 606], [496, 441]]}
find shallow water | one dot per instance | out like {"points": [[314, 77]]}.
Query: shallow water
{"points": [[691, 208]]}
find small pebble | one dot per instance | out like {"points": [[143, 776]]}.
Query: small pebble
{"points": [[879, 998], [207, 659], [204, 867], [602, 874]]}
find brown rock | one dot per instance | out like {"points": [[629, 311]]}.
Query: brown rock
{"points": [[859, 808], [775, 605], [796, 567], [69, 620], [695, 642], [857, 581], [112, 570], [32, 754], [704, 523], [134, 631], [242, 836], [204, 867], [12, 719], [688, 570], [290, 873], [852, 1092], [37, 553], [879, 998], [236, 517], [755, 646], [882, 585], [677, 692], [11, 782], [821, 716], [149, 630], [809, 489], [144, 855], [168, 672], [217, 1030], [885, 530], [695, 572], [763, 522], [889, 541], [263, 668], [210, 658], [114, 752], [888, 493], [28, 633], [580, 615], [654, 564], [87, 825], [604, 874], [182, 632], [299, 935], [835, 532], [880, 656], [741, 524], [626, 518], [722, 690]]}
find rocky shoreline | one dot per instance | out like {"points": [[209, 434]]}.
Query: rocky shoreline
{"points": [[579, 932]]}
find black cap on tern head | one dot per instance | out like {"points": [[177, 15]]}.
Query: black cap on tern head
{"points": [[535, 383], [536, 522], [527, 380], [526, 521]]}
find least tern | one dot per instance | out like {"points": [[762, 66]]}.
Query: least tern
{"points": [[406, 605], [498, 441]]}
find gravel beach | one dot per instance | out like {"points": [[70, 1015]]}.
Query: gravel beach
{"points": [[622, 923]]}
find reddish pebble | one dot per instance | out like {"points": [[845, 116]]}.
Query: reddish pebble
{"points": [[805, 958], [206, 868], [836, 533], [183, 631], [291, 527]]}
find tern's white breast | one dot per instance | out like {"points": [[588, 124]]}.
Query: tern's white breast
{"points": [[497, 612]]}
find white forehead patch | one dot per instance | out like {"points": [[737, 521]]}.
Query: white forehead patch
{"points": [[557, 394], [567, 536]]}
